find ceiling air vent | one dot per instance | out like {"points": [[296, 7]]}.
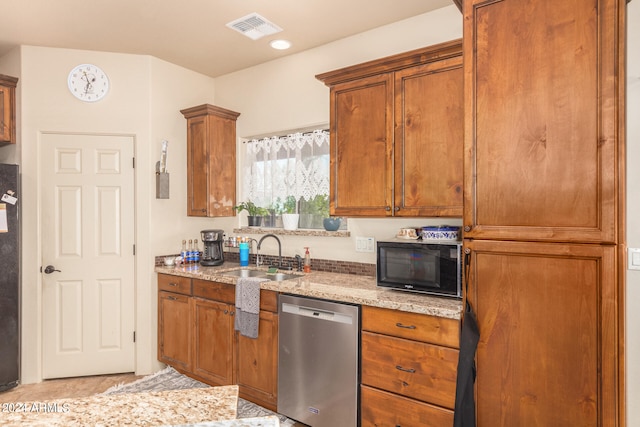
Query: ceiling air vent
{"points": [[254, 26]]}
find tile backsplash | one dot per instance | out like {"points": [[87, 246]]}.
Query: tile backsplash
{"points": [[329, 265]]}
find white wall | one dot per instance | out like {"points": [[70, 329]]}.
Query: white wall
{"points": [[633, 207], [144, 101], [284, 94]]}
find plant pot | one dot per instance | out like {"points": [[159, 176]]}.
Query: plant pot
{"points": [[254, 221], [290, 221], [331, 224], [269, 220]]}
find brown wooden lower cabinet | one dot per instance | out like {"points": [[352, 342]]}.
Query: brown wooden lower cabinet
{"points": [[196, 336], [409, 368], [382, 409], [409, 360], [548, 319]]}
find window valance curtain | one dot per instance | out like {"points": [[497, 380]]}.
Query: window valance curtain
{"points": [[280, 166]]}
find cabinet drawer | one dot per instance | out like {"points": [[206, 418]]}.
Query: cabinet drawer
{"points": [[177, 284], [418, 370], [380, 408], [227, 293], [414, 326], [214, 290]]}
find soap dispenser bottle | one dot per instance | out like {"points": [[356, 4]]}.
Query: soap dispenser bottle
{"points": [[307, 261]]}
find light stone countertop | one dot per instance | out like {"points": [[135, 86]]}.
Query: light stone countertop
{"points": [[175, 407], [349, 288]]}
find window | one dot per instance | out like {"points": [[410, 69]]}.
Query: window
{"points": [[289, 174]]}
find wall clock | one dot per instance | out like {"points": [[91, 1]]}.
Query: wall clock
{"points": [[88, 83]]}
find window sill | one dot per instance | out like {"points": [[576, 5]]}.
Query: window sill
{"points": [[298, 232]]}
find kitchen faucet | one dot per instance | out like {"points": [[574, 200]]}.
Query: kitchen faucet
{"points": [[279, 264]]}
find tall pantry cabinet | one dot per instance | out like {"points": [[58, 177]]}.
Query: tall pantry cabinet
{"points": [[543, 209]]}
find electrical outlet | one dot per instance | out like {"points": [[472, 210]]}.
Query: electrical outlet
{"points": [[365, 244]]}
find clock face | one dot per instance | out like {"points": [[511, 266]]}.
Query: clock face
{"points": [[88, 83]]}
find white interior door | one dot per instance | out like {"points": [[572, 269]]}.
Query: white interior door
{"points": [[87, 232]]}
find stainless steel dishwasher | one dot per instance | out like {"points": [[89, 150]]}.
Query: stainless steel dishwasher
{"points": [[318, 370]]}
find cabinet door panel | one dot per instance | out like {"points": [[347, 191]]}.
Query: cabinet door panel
{"points": [[542, 105], [8, 109], [174, 326], [213, 341], [197, 166], [548, 322], [258, 363], [429, 139], [361, 147], [5, 115], [221, 196]]}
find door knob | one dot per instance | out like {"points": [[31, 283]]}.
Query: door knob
{"points": [[50, 269]]}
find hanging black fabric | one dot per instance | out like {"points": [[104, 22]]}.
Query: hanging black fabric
{"points": [[464, 414]]}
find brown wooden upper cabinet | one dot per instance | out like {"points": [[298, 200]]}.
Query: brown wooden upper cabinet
{"points": [[211, 160], [396, 129], [8, 109], [543, 113]]}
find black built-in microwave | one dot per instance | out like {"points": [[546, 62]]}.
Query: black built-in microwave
{"points": [[430, 267]]}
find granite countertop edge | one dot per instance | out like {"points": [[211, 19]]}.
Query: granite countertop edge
{"points": [[349, 288]]}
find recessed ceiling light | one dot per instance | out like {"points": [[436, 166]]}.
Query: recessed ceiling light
{"points": [[280, 44]]}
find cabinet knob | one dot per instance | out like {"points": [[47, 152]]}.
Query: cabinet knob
{"points": [[467, 228], [226, 312], [397, 208], [387, 208]]}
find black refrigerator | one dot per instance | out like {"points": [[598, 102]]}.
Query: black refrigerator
{"points": [[9, 277]]}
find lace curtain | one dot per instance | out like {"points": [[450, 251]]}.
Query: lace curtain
{"points": [[294, 165]]}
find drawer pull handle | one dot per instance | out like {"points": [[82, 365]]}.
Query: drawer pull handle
{"points": [[400, 325], [409, 370], [172, 298], [173, 284]]}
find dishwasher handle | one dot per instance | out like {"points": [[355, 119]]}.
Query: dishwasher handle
{"points": [[315, 313]]}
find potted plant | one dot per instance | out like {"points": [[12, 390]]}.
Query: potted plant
{"points": [[289, 216], [254, 212]]}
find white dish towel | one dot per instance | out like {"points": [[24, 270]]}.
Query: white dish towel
{"points": [[248, 306]]}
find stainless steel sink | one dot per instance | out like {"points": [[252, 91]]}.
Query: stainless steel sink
{"points": [[243, 272], [278, 277]]}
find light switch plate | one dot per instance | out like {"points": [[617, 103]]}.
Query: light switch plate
{"points": [[634, 258], [365, 244]]}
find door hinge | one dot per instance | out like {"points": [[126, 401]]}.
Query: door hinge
{"points": [[134, 250], [134, 336], [133, 160]]}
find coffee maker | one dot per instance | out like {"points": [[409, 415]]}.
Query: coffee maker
{"points": [[212, 254]]}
